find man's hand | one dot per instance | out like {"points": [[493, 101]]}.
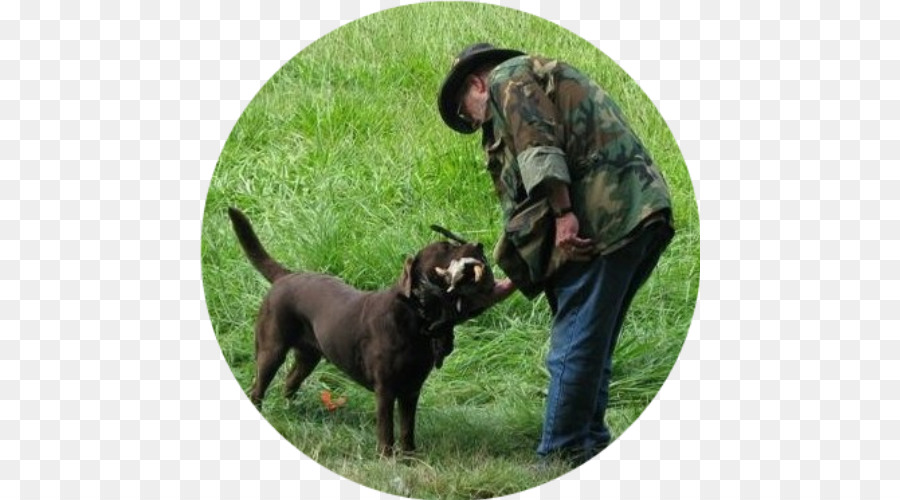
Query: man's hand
{"points": [[567, 239], [502, 289]]}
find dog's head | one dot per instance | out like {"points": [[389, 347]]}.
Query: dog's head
{"points": [[453, 268], [442, 283], [445, 276]]}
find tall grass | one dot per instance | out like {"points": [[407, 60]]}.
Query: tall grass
{"points": [[342, 162]]}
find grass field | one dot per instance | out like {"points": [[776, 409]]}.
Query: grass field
{"points": [[342, 162]]}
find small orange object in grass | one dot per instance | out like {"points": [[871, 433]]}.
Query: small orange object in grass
{"points": [[330, 404]]}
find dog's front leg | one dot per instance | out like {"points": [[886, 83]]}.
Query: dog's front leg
{"points": [[408, 404], [384, 419]]}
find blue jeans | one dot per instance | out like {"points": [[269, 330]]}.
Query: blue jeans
{"points": [[589, 301]]}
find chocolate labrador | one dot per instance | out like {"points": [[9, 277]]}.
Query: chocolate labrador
{"points": [[388, 341]]}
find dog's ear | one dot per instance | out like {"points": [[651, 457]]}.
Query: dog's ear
{"points": [[408, 277]]}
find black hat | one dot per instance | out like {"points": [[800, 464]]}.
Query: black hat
{"points": [[469, 60]]}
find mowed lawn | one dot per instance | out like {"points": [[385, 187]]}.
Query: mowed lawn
{"points": [[342, 163]]}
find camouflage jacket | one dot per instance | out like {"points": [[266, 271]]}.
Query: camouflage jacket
{"points": [[549, 121]]}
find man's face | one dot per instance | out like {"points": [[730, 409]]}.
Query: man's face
{"points": [[473, 101]]}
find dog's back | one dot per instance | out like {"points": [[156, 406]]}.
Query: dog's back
{"points": [[322, 312], [368, 335]]}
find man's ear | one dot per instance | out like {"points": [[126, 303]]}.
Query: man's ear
{"points": [[474, 80], [478, 81], [408, 277]]}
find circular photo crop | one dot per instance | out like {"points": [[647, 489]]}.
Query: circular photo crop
{"points": [[451, 250]]}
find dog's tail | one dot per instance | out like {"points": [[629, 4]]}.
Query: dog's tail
{"points": [[261, 260]]}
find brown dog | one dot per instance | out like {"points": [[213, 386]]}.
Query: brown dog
{"points": [[387, 341]]}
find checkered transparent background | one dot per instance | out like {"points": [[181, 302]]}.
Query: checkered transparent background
{"points": [[112, 116]]}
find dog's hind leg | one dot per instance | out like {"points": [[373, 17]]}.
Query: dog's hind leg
{"points": [[268, 359], [305, 360], [407, 405]]}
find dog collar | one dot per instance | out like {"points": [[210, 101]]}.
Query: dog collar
{"points": [[434, 306]]}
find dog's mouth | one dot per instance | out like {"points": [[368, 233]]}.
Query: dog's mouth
{"points": [[462, 271]]}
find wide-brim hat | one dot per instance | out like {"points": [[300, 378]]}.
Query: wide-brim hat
{"points": [[470, 59]]}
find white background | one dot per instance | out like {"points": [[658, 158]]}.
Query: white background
{"points": [[112, 117]]}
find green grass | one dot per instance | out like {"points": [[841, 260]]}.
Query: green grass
{"points": [[342, 162]]}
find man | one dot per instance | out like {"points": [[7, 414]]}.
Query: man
{"points": [[587, 215]]}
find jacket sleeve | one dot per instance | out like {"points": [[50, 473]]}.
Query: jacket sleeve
{"points": [[532, 122]]}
